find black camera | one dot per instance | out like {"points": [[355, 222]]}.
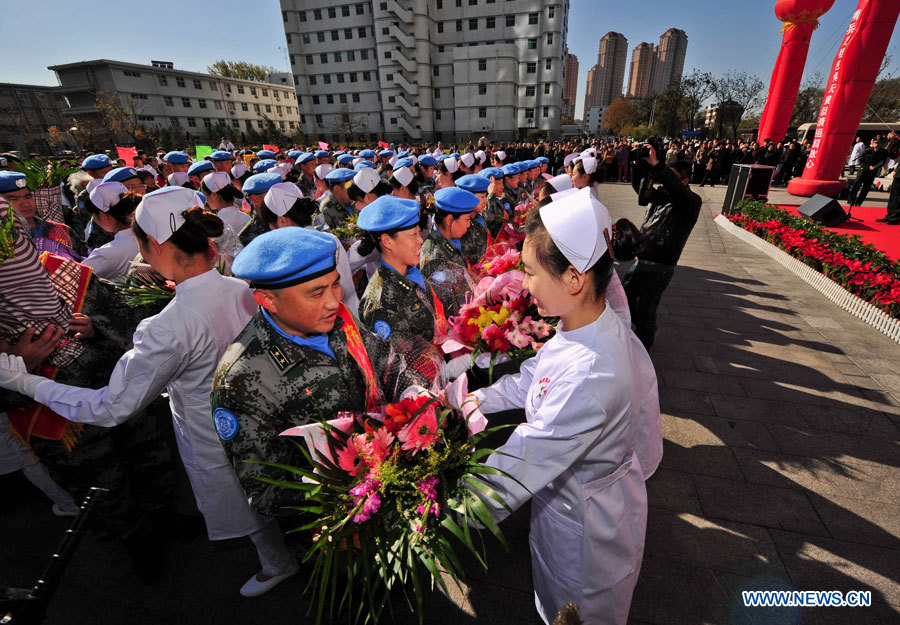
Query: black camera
{"points": [[644, 151]]}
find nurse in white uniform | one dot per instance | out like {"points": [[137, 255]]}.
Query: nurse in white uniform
{"points": [[177, 351], [575, 454], [111, 207]]}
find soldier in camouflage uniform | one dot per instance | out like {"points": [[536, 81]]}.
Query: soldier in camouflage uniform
{"points": [[441, 259], [306, 181], [336, 207], [511, 185], [97, 165], [270, 380], [254, 189], [496, 211], [474, 241], [384, 169]]}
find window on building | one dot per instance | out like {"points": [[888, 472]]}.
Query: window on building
{"points": [[197, 84], [548, 65], [482, 111], [389, 77], [459, 3], [361, 31], [437, 94], [440, 27], [546, 111], [201, 103], [240, 89], [345, 10], [473, 2], [440, 48], [217, 104], [256, 108], [163, 81], [207, 123], [387, 54], [249, 124], [482, 89], [186, 103], [340, 78], [305, 37], [529, 91], [510, 20], [310, 59], [227, 88], [436, 70], [391, 99], [549, 39], [265, 93], [268, 108], [335, 35], [367, 76], [292, 125], [532, 44], [348, 33], [323, 58], [351, 55], [259, 123], [547, 88], [532, 18], [318, 119], [364, 55], [244, 106], [316, 100], [231, 106], [473, 24], [281, 125], [326, 78], [459, 26], [332, 13], [179, 82], [317, 14], [551, 12], [352, 76], [301, 15], [529, 113], [355, 98], [192, 123], [329, 99], [168, 101], [393, 121], [132, 74], [342, 98], [320, 37], [482, 65], [437, 115], [360, 9], [531, 68], [440, 4], [252, 90], [312, 80], [491, 22], [235, 123]]}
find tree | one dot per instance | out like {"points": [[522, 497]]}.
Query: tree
{"points": [[121, 114], [618, 116], [723, 92], [240, 69], [809, 99], [667, 107], [536, 136], [746, 90], [696, 87], [884, 102], [348, 125]]}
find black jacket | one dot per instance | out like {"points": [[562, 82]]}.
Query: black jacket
{"points": [[673, 211]]}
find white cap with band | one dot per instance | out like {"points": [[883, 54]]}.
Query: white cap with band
{"points": [[159, 213], [281, 197], [580, 226]]}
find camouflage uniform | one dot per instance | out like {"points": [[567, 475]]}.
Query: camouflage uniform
{"points": [[511, 197], [255, 227], [445, 267], [474, 241], [398, 302], [385, 170], [332, 213], [496, 213], [307, 187], [271, 384]]}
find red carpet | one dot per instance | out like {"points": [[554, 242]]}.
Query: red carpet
{"points": [[886, 238]]}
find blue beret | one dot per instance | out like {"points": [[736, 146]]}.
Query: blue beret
{"points": [[532, 164], [221, 155], [176, 158], [260, 183], [120, 174], [12, 181], [455, 200], [285, 257], [542, 160], [510, 169], [264, 165], [403, 162], [473, 183], [367, 154], [428, 161], [339, 175], [389, 213], [455, 155], [363, 165], [387, 153], [292, 154], [403, 154], [442, 157], [96, 161], [199, 167], [304, 157], [321, 154], [491, 172], [265, 154], [345, 159]]}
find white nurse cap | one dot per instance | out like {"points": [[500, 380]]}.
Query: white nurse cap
{"points": [[580, 226]]}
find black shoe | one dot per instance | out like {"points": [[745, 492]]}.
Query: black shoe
{"points": [[883, 220], [893, 223]]}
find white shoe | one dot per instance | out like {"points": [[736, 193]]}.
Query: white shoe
{"points": [[59, 511], [255, 588]]}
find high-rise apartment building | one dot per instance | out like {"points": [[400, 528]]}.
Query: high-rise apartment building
{"points": [[611, 61], [570, 88], [640, 78], [427, 69], [670, 55], [592, 94]]}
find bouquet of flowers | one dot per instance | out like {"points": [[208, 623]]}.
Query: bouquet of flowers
{"points": [[387, 492], [500, 317], [347, 231], [498, 259], [520, 214]]}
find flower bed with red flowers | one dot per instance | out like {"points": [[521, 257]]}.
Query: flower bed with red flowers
{"points": [[858, 267]]}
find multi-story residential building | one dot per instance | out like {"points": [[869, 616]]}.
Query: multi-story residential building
{"points": [[27, 114], [160, 95], [611, 61], [592, 93], [643, 62], [570, 88], [670, 55], [427, 70]]}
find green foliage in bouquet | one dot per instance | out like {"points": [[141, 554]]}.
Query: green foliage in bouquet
{"points": [[348, 230], [44, 174], [8, 235], [387, 497]]}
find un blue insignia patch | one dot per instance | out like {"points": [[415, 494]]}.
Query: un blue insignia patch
{"points": [[226, 423], [382, 329], [439, 277]]}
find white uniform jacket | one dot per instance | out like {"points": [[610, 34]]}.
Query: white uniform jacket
{"points": [[576, 455], [178, 351], [113, 260]]}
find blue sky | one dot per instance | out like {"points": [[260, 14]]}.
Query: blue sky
{"points": [[722, 34]]}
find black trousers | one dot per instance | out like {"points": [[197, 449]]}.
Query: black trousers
{"points": [[861, 187], [893, 207], [644, 288]]}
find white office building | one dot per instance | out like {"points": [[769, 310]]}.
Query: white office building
{"points": [[426, 70]]}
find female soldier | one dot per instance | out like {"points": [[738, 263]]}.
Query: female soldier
{"points": [[441, 259], [366, 186], [177, 351], [474, 241], [496, 211], [111, 207], [582, 400], [424, 170]]}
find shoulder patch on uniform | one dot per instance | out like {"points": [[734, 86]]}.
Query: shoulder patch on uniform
{"points": [[439, 277], [226, 423], [281, 361], [382, 329]]}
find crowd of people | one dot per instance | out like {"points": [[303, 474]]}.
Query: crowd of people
{"points": [[295, 285]]}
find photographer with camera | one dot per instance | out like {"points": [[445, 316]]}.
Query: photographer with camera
{"points": [[673, 211]]}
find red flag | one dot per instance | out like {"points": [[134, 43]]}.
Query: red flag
{"points": [[323, 145], [384, 144], [273, 148], [127, 154]]}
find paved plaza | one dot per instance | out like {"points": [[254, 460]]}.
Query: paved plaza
{"points": [[781, 418]]}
